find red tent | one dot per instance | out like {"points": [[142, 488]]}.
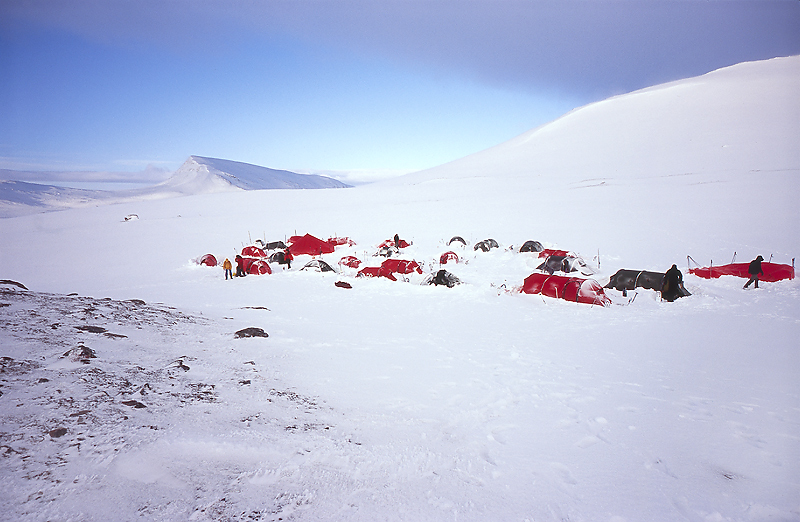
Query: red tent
{"points": [[351, 261], [336, 241], [256, 266], [390, 267], [547, 252], [400, 266], [569, 288], [448, 256], [208, 260], [309, 245], [772, 271], [253, 251], [390, 243]]}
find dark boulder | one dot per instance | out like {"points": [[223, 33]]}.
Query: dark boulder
{"points": [[250, 332]]}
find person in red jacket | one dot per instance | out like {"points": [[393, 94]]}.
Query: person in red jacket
{"points": [[239, 266], [754, 270], [287, 258]]}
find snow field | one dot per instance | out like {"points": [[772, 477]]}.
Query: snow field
{"points": [[395, 401]]}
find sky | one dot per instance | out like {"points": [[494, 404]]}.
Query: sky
{"points": [[359, 89]]}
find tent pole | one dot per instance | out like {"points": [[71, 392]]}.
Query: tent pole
{"points": [[734, 257]]}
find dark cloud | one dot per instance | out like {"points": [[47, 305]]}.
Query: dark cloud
{"points": [[585, 47]]}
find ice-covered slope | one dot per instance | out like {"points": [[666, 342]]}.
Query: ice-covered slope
{"points": [[744, 118], [200, 175]]}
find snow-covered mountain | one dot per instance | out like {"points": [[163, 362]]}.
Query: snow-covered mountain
{"points": [[122, 378], [744, 118], [199, 175]]}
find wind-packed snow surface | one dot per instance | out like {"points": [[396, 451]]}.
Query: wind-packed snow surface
{"points": [[399, 401]]}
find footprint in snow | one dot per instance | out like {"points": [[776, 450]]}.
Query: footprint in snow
{"points": [[563, 474]]}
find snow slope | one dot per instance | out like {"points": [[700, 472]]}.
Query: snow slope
{"points": [[395, 401], [199, 175]]}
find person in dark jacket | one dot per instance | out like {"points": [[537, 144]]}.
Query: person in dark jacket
{"points": [[754, 270], [673, 279]]}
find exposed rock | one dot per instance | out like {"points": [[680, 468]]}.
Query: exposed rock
{"points": [[91, 329], [250, 332], [134, 404], [58, 432], [12, 283], [80, 353]]}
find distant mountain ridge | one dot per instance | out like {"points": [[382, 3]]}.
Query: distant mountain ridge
{"points": [[197, 175], [200, 175]]}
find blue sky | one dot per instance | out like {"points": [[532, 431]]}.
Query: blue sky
{"points": [[391, 85]]}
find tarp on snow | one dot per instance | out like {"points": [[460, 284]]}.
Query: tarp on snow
{"points": [[573, 289], [208, 260], [309, 245], [772, 271], [390, 267]]}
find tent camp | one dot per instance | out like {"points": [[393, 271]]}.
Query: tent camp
{"points": [[486, 245], [531, 246], [574, 289], [448, 256], [390, 267], [565, 264], [275, 245], [547, 252], [390, 243], [318, 265], [255, 266], [253, 251], [337, 241], [309, 245], [442, 278], [772, 271], [208, 260], [350, 261]]}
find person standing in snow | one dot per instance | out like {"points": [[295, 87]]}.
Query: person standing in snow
{"points": [[239, 266], [397, 241], [672, 284], [287, 258], [754, 270], [228, 267]]}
